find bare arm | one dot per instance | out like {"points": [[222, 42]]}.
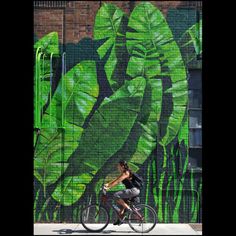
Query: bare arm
{"points": [[118, 180]]}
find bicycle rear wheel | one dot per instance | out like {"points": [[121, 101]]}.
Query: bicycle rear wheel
{"points": [[95, 218], [143, 218]]}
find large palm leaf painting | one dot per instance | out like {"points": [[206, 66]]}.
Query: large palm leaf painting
{"points": [[80, 140]]}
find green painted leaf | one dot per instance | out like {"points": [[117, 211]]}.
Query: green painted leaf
{"points": [[110, 24], [175, 121], [56, 145], [53, 150], [145, 61], [180, 192], [196, 35], [148, 140], [43, 73], [183, 133], [72, 187], [112, 122], [143, 137], [75, 98], [152, 47], [191, 42], [148, 183], [153, 36], [49, 44], [166, 216], [107, 131], [160, 187]]}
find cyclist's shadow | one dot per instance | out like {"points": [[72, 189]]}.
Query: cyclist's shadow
{"points": [[70, 231]]}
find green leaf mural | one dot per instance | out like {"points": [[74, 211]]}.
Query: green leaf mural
{"points": [[191, 38], [107, 131], [110, 24], [153, 47], [46, 47], [180, 192], [53, 150], [56, 145], [183, 133], [84, 133], [49, 44], [196, 35], [142, 139], [145, 61], [75, 95], [147, 141], [68, 191]]}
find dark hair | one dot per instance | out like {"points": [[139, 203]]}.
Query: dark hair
{"points": [[125, 165]]}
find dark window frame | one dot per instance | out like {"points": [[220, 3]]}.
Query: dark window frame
{"points": [[194, 147]]}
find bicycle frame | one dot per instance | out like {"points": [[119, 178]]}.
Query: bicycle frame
{"points": [[136, 216], [104, 202]]}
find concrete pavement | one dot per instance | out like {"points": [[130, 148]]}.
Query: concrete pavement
{"points": [[124, 229]]}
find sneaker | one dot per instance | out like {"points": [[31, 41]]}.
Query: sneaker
{"points": [[119, 221]]}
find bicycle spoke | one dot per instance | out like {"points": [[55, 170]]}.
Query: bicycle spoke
{"points": [[141, 222], [94, 218]]}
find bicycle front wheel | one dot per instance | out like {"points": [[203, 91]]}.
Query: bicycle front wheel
{"points": [[143, 218], [95, 218]]}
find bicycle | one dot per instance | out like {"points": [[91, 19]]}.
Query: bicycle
{"points": [[95, 217]]}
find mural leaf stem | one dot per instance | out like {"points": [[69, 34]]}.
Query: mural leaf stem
{"points": [[35, 203], [147, 187], [192, 188], [155, 181], [180, 192], [43, 208], [167, 203], [160, 187]]}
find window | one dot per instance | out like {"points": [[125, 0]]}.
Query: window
{"points": [[195, 157], [195, 98], [195, 118], [195, 138]]}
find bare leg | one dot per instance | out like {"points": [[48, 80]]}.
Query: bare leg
{"points": [[123, 203], [124, 206], [121, 213]]}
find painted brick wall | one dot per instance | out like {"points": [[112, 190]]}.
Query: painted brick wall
{"points": [[80, 15], [74, 24]]}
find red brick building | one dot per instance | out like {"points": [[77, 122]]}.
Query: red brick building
{"points": [[73, 20]]}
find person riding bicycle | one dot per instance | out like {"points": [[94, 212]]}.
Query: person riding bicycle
{"points": [[130, 191]]}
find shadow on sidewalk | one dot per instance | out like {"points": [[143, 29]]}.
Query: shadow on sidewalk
{"points": [[70, 231]]}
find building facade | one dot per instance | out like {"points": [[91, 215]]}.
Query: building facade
{"points": [[97, 101]]}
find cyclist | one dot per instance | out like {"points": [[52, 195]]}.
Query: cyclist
{"points": [[130, 191]]}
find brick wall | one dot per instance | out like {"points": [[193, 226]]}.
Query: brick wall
{"points": [[46, 21], [76, 19]]}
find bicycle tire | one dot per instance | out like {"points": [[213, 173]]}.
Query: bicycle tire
{"points": [[85, 224], [154, 214]]}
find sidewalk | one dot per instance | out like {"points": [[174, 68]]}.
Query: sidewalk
{"points": [[77, 229]]}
